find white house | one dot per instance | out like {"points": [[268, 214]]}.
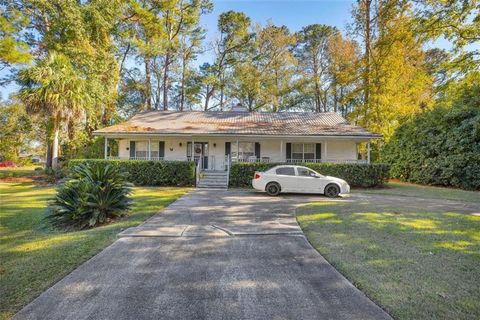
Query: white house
{"points": [[214, 139]]}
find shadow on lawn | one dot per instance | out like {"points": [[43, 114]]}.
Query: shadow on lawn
{"points": [[429, 230]]}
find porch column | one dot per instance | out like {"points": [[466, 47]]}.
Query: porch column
{"points": [[149, 149], [191, 154], [106, 148], [281, 151], [326, 154], [368, 152]]}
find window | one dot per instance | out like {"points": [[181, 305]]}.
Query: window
{"points": [[154, 148], [245, 150], [141, 149], [303, 151], [285, 171], [304, 172]]}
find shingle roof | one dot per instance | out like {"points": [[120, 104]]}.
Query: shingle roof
{"points": [[238, 123]]}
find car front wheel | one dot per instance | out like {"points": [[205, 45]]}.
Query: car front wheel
{"points": [[272, 189], [332, 190]]}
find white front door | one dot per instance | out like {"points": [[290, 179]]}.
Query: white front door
{"points": [[200, 153]]}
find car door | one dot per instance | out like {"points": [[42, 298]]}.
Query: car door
{"points": [[308, 181], [287, 178]]}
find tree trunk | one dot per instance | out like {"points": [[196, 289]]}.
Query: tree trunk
{"points": [[221, 97], [166, 82], [56, 133], [317, 86], [48, 163], [366, 96], [222, 90], [317, 96], [182, 85], [207, 100], [148, 85], [335, 95]]}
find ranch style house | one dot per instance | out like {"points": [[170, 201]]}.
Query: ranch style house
{"points": [[217, 138]]}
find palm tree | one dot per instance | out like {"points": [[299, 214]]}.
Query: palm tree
{"points": [[52, 87]]}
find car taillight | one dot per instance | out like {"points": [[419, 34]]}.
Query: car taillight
{"points": [[257, 176]]}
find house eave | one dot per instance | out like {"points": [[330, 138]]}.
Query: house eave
{"points": [[226, 135]]}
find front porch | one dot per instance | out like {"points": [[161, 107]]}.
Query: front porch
{"points": [[216, 153]]}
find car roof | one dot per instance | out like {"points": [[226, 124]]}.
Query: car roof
{"points": [[288, 166]]}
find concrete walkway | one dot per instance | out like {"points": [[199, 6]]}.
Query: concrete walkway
{"points": [[213, 254]]}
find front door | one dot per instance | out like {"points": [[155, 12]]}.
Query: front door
{"points": [[200, 153]]}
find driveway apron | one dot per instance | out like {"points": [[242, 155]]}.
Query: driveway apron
{"points": [[212, 254]]}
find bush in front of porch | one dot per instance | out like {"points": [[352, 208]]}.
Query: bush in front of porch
{"points": [[357, 175], [150, 173]]}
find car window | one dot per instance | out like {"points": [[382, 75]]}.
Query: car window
{"points": [[285, 171], [304, 172]]}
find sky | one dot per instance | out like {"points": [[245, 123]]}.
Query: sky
{"points": [[294, 14]]}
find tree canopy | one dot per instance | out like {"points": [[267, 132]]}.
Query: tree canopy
{"points": [[88, 64]]}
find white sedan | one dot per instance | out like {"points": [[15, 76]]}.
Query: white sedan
{"points": [[299, 179]]}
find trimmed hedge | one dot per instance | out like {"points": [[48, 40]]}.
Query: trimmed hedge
{"points": [[357, 175], [151, 173]]}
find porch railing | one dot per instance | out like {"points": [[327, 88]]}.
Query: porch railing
{"points": [[251, 159], [304, 161], [324, 161], [228, 160]]}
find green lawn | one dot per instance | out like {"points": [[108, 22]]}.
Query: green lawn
{"points": [[414, 190], [33, 257], [416, 264], [20, 172]]}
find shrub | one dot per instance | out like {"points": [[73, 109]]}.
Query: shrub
{"points": [[93, 193], [357, 175], [150, 173], [439, 147]]}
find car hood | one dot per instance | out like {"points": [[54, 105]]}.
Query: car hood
{"points": [[336, 179]]}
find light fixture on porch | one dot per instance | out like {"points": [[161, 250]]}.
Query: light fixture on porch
{"points": [[180, 144], [214, 145]]}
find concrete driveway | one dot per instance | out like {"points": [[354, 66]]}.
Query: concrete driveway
{"points": [[213, 254]]}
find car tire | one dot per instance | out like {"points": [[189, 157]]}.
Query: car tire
{"points": [[272, 189], [331, 190]]}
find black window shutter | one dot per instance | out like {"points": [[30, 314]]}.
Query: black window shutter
{"points": [[289, 151], [257, 150], [318, 151], [161, 149], [132, 149], [228, 147]]}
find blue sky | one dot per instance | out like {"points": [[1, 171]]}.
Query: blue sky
{"points": [[292, 13]]}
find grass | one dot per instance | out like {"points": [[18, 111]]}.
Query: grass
{"points": [[416, 264], [415, 190], [15, 172], [33, 256]]}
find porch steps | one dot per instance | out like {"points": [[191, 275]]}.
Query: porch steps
{"points": [[213, 179]]}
